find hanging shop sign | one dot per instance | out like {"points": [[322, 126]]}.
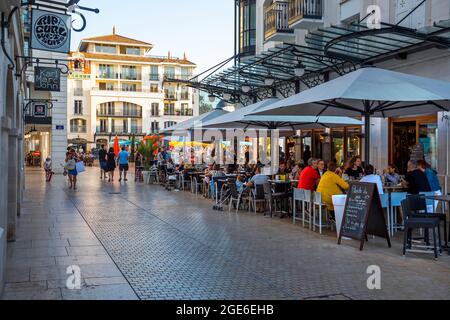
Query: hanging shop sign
{"points": [[40, 110], [50, 31], [47, 79]]}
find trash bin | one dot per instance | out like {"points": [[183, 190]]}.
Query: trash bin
{"points": [[339, 206]]}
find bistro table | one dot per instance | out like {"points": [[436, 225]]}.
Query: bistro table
{"points": [[443, 199], [284, 186]]}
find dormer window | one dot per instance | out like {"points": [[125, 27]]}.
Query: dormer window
{"points": [[134, 51], [103, 48]]}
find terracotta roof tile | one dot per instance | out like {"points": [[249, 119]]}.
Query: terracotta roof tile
{"points": [[115, 38], [89, 55]]}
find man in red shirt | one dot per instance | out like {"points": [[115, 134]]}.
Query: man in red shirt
{"points": [[309, 178]]}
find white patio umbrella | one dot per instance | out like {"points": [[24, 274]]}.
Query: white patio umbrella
{"points": [[190, 123], [368, 92], [244, 119]]}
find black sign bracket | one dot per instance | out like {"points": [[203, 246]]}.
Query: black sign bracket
{"points": [[30, 102], [61, 64]]}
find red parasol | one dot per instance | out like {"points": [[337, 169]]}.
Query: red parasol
{"points": [[116, 146]]}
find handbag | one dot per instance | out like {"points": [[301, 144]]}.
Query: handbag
{"points": [[80, 167]]}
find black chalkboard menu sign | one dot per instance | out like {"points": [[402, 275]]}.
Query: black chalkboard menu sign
{"points": [[47, 79], [363, 214]]}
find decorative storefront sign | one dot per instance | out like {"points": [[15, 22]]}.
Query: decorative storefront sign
{"points": [[59, 127], [47, 79], [50, 31], [40, 110]]}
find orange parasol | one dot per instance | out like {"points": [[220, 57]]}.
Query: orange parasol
{"points": [[116, 146]]}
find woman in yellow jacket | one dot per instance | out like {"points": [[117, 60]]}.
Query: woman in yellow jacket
{"points": [[331, 184]]}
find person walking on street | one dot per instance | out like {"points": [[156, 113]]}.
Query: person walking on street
{"points": [[122, 159], [102, 159], [111, 164], [71, 167]]}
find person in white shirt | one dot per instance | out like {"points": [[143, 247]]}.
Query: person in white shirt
{"points": [[370, 177]]}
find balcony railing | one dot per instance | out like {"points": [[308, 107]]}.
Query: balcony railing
{"points": [[119, 130], [179, 113], [120, 113], [184, 96], [78, 129], [170, 95], [276, 19], [140, 90], [154, 77], [107, 75], [131, 77], [187, 112], [305, 9]]}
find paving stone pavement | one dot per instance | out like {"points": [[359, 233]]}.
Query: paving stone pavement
{"points": [[137, 241]]}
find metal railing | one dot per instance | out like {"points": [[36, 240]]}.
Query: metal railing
{"points": [[184, 96], [301, 9], [170, 95], [120, 113], [276, 19], [154, 77], [78, 129], [131, 77], [107, 75], [119, 130]]}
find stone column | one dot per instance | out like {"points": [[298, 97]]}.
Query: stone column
{"points": [[12, 184]]}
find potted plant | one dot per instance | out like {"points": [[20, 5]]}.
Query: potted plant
{"points": [[148, 149]]}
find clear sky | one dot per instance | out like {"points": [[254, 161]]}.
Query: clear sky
{"points": [[201, 28]]}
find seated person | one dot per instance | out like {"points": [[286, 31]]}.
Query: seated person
{"points": [[370, 177], [355, 169], [330, 185], [391, 176], [416, 180], [309, 178], [240, 183], [258, 178]]}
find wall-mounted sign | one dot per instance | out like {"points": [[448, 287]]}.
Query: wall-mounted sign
{"points": [[40, 110], [50, 31], [47, 79], [59, 127]]}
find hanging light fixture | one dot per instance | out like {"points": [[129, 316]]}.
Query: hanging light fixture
{"points": [[212, 98], [227, 96], [270, 80], [245, 88], [299, 69]]}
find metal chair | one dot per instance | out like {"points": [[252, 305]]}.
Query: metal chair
{"points": [[385, 205], [299, 196], [271, 197], [257, 195], [396, 203], [431, 210], [307, 204], [413, 208], [318, 205], [235, 196]]}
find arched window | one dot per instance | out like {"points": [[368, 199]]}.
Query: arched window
{"points": [[78, 126]]}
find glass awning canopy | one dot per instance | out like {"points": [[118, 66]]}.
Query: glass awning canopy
{"points": [[339, 49]]}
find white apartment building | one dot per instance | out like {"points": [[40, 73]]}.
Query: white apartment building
{"points": [[116, 88], [265, 24]]}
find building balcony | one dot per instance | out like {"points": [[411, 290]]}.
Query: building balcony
{"points": [[107, 75], [184, 96], [154, 77], [119, 131], [276, 23], [170, 96], [78, 129], [305, 14], [179, 113], [119, 114], [130, 77]]}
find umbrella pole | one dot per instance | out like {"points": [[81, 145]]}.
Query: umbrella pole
{"points": [[367, 133]]}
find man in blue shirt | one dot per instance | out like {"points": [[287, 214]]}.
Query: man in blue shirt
{"points": [[122, 159]]}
